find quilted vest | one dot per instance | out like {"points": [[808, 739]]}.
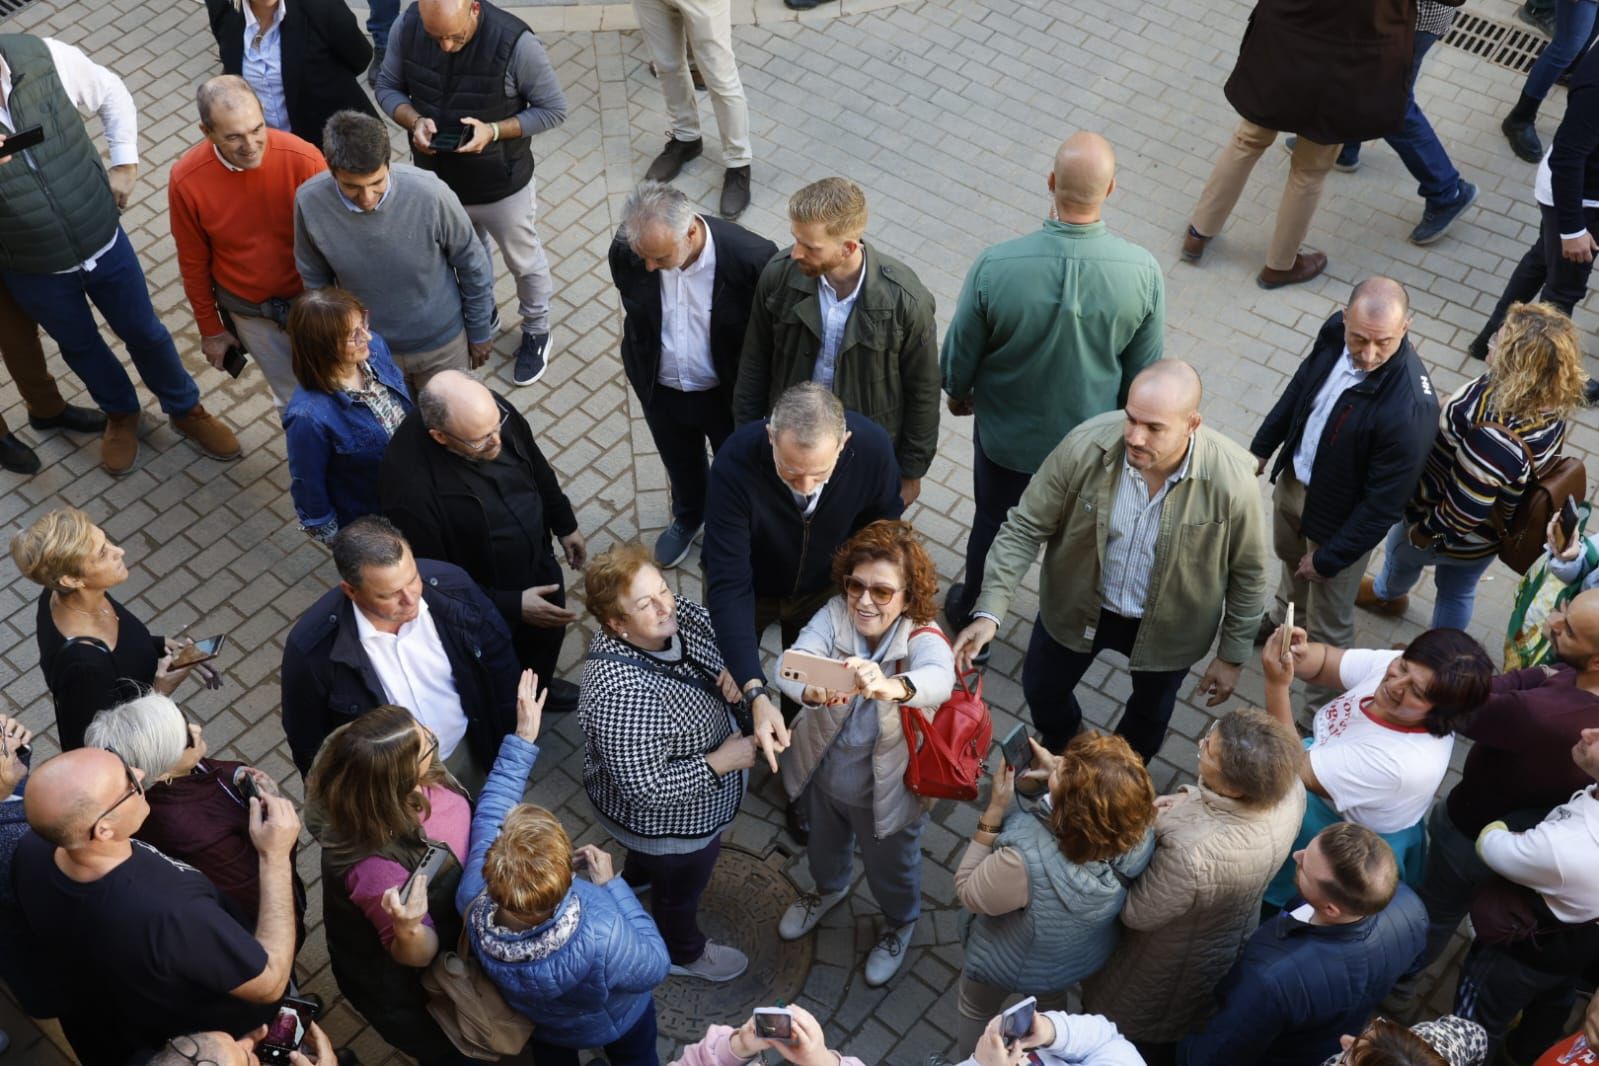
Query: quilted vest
{"points": [[56, 208], [447, 86], [1067, 929]]}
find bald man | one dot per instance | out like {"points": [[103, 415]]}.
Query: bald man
{"points": [[467, 71], [1153, 544], [1354, 427], [137, 946], [1049, 331], [465, 481], [230, 201]]}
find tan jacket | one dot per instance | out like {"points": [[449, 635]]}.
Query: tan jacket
{"points": [[1187, 917], [1210, 557]]}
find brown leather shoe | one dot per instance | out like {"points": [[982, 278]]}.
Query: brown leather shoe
{"points": [[1368, 600], [1306, 266], [1194, 245], [208, 433], [119, 444]]}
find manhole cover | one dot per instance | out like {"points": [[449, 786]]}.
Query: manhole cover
{"points": [[742, 906], [1515, 48]]}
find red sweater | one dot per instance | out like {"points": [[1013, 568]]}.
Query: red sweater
{"points": [[235, 228]]}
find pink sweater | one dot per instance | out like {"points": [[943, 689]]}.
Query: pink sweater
{"points": [[714, 1051]]}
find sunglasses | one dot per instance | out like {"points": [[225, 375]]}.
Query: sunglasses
{"points": [[135, 788], [882, 595]]}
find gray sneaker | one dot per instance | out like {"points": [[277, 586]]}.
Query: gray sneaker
{"points": [[804, 913], [673, 545], [719, 963], [888, 954]]}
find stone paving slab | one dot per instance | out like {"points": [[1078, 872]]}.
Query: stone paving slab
{"points": [[947, 112]]}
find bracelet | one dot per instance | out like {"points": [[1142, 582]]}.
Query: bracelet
{"points": [[983, 827], [496, 131]]}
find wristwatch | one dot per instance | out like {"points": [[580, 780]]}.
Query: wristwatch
{"points": [[910, 688], [761, 690]]}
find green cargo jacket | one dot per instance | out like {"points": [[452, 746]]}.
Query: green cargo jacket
{"points": [[887, 364], [1210, 555]]}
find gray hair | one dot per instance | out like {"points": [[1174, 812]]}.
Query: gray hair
{"points": [[657, 203], [355, 143], [227, 90], [810, 413], [370, 540], [432, 408], [150, 733]]}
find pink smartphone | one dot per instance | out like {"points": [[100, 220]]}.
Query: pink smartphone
{"points": [[817, 670]]}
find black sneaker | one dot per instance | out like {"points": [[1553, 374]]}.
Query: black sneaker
{"points": [[378, 52], [1436, 220], [16, 456], [672, 158], [531, 358], [1523, 138], [75, 419]]}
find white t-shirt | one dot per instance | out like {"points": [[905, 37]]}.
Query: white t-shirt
{"points": [[1377, 775]]}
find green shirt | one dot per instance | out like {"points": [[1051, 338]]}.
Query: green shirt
{"points": [[1049, 331]]}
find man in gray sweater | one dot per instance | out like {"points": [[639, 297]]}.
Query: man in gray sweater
{"points": [[397, 238]]}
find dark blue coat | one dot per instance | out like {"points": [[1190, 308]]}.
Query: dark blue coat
{"points": [[1298, 987]]}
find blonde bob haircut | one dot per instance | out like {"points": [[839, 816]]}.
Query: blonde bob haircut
{"points": [[837, 203], [528, 868], [57, 545], [1536, 366]]}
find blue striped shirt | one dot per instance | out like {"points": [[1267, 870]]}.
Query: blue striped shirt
{"points": [[1130, 542]]}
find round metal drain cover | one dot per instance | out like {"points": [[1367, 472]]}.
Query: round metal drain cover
{"points": [[741, 907]]}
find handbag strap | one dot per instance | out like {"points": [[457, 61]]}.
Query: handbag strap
{"points": [[1495, 518], [698, 680], [74, 642]]}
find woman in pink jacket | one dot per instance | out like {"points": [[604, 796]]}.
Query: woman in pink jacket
{"points": [[725, 1046]]}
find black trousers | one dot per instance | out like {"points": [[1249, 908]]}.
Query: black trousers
{"points": [[995, 490], [538, 648], [681, 424], [1051, 671], [1545, 274]]}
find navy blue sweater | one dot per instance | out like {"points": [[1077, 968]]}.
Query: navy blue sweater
{"points": [[1574, 155]]}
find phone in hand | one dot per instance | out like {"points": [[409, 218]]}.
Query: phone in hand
{"points": [[774, 1023], [1568, 523], [21, 141], [234, 359], [432, 862], [1017, 1022], [247, 786], [287, 1031], [1017, 749], [816, 670], [1287, 649], [448, 140], [201, 651]]}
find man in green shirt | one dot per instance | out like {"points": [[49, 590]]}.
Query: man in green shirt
{"points": [[1050, 330]]}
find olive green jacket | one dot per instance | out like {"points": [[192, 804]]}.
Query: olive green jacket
{"points": [[887, 365], [1210, 555]]}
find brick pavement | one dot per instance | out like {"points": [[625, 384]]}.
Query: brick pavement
{"points": [[947, 112]]}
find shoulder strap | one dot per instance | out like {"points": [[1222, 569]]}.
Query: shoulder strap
{"points": [[73, 642], [698, 680], [1496, 520]]}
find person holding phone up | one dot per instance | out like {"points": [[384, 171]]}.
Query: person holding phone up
{"points": [[805, 1046], [1056, 1039]]}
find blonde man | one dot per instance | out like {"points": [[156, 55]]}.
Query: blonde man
{"points": [[882, 362]]}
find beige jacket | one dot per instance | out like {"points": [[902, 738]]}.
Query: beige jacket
{"points": [[1188, 915]]}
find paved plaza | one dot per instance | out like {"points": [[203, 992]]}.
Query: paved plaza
{"points": [[947, 112]]}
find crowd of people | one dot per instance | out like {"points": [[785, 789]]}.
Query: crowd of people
{"points": [[1272, 912]]}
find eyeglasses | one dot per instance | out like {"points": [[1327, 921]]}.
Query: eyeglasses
{"points": [[362, 330], [189, 1056], [432, 748], [855, 588], [482, 442], [135, 788]]}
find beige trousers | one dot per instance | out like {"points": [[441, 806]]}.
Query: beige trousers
{"points": [[669, 27], [1307, 169], [419, 367], [269, 345]]}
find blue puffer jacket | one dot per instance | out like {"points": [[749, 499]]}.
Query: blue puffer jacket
{"points": [[584, 977]]}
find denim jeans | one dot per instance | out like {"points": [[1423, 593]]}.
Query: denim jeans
{"points": [[60, 303], [380, 16], [1418, 147], [1455, 579], [1573, 23]]}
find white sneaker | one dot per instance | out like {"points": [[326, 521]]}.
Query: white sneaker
{"points": [[804, 913], [888, 954], [719, 963]]}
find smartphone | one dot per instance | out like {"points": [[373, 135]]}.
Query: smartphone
{"points": [[817, 670], [774, 1023], [233, 360], [247, 787], [1017, 1022], [287, 1031], [1287, 650], [431, 864], [1568, 523], [448, 140], [201, 651], [1018, 752], [22, 140]]}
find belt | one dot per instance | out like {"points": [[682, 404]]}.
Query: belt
{"points": [[275, 308]]}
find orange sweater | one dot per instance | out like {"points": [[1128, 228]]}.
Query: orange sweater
{"points": [[235, 228]]}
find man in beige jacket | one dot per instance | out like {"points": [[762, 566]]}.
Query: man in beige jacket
{"points": [[1154, 540]]}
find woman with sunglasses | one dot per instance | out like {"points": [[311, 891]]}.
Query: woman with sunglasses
{"points": [[848, 753], [199, 807], [350, 401]]}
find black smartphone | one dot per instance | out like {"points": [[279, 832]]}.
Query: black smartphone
{"points": [[287, 1031], [201, 651], [1017, 1022], [234, 359], [247, 787], [432, 862], [1018, 752], [22, 140], [774, 1023], [448, 140], [1568, 522]]}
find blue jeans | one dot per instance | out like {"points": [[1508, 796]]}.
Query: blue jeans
{"points": [[1455, 579], [1573, 23], [60, 303], [1418, 147], [380, 17]]}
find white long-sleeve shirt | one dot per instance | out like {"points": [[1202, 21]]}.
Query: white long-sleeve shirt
{"points": [[1558, 858], [1085, 1039]]}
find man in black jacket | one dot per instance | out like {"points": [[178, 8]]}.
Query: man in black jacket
{"points": [[686, 283], [1354, 427], [406, 631], [465, 481]]}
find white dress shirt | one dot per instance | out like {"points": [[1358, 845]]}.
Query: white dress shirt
{"points": [[93, 90], [416, 674], [1130, 541], [835, 316], [1343, 375], [686, 322], [263, 64]]}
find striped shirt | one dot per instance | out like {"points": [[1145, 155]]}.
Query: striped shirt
{"points": [[1130, 542], [1474, 468]]}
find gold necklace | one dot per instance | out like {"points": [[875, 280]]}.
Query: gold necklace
{"points": [[104, 612]]}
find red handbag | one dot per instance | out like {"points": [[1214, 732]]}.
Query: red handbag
{"points": [[946, 754]]}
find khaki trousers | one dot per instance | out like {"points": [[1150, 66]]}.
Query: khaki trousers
{"points": [[24, 360], [669, 27], [1307, 169], [269, 345], [419, 367]]}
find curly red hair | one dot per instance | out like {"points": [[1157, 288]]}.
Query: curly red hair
{"points": [[1105, 801], [895, 542]]}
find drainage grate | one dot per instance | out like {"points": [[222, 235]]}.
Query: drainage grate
{"points": [[11, 7], [1515, 48]]}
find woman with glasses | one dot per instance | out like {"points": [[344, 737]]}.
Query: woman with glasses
{"points": [[350, 401], [848, 753], [199, 807], [664, 763]]}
